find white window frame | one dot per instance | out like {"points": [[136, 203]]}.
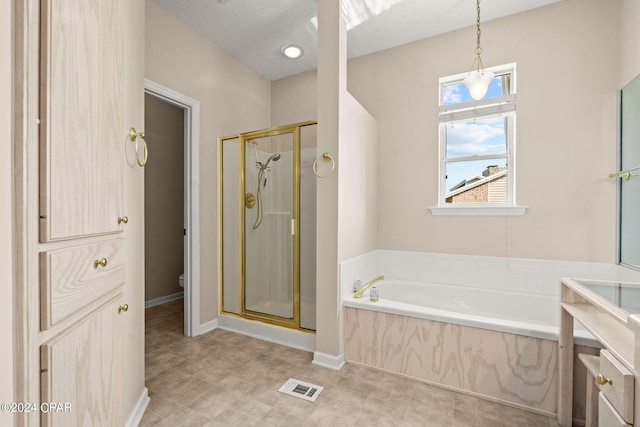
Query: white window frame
{"points": [[500, 106]]}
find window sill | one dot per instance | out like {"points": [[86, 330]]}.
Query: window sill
{"points": [[478, 211]]}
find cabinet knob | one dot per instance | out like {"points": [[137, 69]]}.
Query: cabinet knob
{"points": [[124, 308], [123, 219], [602, 380], [102, 262]]}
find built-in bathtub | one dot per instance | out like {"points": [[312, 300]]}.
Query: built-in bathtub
{"points": [[521, 314], [488, 328], [492, 344]]}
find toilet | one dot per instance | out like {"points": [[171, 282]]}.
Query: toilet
{"points": [[181, 280]]}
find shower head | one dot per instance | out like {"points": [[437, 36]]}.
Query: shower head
{"points": [[275, 157]]}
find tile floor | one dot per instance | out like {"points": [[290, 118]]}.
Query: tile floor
{"points": [[226, 379]]}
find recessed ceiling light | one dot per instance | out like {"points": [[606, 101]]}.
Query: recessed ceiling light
{"points": [[292, 51]]}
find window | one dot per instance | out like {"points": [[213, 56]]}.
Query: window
{"points": [[477, 143]]}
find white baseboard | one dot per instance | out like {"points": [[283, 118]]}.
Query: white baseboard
{"points": [[162, 300], [328, 361], [284, 336], [208, 326], [138, 411]]}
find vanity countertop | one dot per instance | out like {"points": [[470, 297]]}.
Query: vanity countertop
{"points": [[610, 310]]}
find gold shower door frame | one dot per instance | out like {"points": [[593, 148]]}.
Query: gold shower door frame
{"points": [[245, 313]]}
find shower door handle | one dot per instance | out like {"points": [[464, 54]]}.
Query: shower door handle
{"points": [[293, 227]]}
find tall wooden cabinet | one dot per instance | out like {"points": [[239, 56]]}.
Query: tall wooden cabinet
{"points": [[77, 334]]}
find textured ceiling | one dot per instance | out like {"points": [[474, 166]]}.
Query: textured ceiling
{"points": [[254, 31]]}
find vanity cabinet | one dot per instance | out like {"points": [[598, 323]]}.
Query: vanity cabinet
{"points": [[616, 385], [81, 219], [608, 416], [608, 310]]}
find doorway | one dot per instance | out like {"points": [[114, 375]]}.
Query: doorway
{"points": [[190, 247]]}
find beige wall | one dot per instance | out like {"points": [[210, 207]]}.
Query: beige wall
{"points": [[6, 208], [358, 188], [629, 41], [233, 98], [295, 99], [566, 59], [164, 198]]}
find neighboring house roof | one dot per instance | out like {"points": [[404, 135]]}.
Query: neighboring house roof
{"points": [[458, 189], [466, 182]]}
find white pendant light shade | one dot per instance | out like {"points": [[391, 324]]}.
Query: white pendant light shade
{"points": [[478, 83]]}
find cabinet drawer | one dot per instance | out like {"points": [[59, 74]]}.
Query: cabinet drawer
{"points": [[620, 391], [72, 277], [607, 414]]}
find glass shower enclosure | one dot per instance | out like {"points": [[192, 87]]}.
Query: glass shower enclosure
{"points": [[629, 175], [267, 200]]}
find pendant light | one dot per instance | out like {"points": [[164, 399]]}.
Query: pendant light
{"points": [[478, 79]]}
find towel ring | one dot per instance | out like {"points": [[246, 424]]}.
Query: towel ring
{"points": [[327, 157], [134, 137]]}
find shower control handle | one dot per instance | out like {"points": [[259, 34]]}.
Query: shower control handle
{"points": [[249, 200]]}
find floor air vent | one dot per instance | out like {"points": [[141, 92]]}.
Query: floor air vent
{"points": [[301, 389]]}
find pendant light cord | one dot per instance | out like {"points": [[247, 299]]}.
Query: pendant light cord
{"points": [[478, 48]]}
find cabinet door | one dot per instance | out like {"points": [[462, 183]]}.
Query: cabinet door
{"points": [[81, 117], [607, 414], [82, 368]]}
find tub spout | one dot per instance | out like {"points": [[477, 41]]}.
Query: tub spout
{"points": [[360, 292]]}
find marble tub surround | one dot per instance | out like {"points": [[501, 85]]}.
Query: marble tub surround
{"points": [[507, 368], [518, 275]]}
